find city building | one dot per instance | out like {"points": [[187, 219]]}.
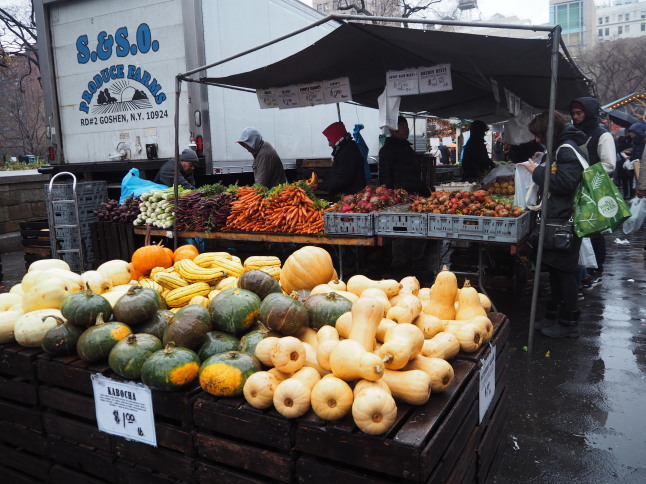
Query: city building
{"points": [[576, 18], [379, 8], [620, 19]]}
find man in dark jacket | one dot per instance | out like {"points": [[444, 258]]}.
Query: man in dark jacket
{"points": [[187, 163], [267, 166], [475, 159], [398, 167], [347, 174], [601, 149]]}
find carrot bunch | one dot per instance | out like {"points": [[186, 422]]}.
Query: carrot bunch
{"points": [[288, 210]]}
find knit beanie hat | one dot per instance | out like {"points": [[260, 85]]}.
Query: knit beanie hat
{"points": [[335, 132], [189, 155]]}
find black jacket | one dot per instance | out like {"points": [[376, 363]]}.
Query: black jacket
{"points": [[166, 176], [475, 159], [591, 126], [564, 180], [398, 167], [347, 175]]}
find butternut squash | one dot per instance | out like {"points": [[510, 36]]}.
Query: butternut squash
{"points": [[374, 410], [288, 354], [402, 343], [469, 335], [384, 325], [357, 284], [440, 371], [424, 294], [406, 309], [429, 325], [337, 285], [443, 294], [412, 386], [410, 284], [367, 313], [328, 338], [312, 361], [350, 361], [468, 303], [378, 294], [292, 397], [308, 335], [364, 384], [259, 388], [344, 324], [485, 302], [443, 345], [264, 349], [331, 398]]}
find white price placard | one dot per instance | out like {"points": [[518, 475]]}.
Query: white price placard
{"points": [[487, 382], [124, 409], [402, 83], [288, 97], [435, 79], [267, 98], [311, 94], [337, 91]]}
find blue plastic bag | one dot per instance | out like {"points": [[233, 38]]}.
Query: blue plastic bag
{"points": [[363, 149], [132, 185]]}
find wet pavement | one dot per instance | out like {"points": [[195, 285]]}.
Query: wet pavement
{"points": [[576, 406]]}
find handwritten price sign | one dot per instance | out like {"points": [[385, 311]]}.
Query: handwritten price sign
{"points": [[487, 382], [402, 83], [435, 79]]}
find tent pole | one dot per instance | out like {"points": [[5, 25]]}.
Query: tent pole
{"points": [[178, 89], [556, 38], [338, 111]]}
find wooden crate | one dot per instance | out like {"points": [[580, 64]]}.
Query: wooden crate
{"points": [[113, 240], [34, 234], [416, 444], [59, 473], [131, 473], [23, 464], [85, 460], [208, 473], [19, 400], [156, 459], [18, 361]]}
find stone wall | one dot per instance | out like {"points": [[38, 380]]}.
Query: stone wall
{"points": [[22, 196]]}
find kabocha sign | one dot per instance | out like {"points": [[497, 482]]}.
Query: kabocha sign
{"points": [[120, 92]]}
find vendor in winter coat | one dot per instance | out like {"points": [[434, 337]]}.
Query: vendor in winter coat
{"points": [[475, 159], [347, 174], [267, 166], [562, 314], [187, 163], [398, 167]]}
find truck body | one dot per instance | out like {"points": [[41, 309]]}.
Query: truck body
{"points": [[109, 81]]}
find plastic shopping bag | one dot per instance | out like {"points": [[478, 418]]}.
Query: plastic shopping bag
{"points": [[637, 216], [523, 183], [132, 185], [499, 171], [587, 258]]}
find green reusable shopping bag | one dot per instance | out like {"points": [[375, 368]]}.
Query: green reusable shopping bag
{"points": [[598, 205]]}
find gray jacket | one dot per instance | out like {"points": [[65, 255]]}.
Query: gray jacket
{"points": [[166, 176], [267, 167]]}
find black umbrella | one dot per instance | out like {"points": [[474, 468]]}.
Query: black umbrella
{"points": [[621, 118]]}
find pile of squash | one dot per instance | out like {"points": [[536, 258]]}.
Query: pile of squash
{"points": [[391, 345]]}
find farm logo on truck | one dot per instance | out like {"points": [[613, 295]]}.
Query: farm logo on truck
{"points": [[121, 92]]}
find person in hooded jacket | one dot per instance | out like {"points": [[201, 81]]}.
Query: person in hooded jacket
{"points": [[601, 149], [187, 163], [562, 314], [475, 159], [267, 166], [637, 133], [348, 174]]}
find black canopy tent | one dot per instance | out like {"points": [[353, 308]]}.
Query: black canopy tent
{"points": [[534, 71]]}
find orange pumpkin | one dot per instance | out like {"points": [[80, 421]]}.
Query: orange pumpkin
{"points": [[188, 251], [136, 275], [170, 254], [149, 256]]}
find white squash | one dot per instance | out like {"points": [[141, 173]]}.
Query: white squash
{"points": [[48, 294], [113, 296], [17, 289], [7, 323], [118, 271], [7, 300], [97, 281], [30, 328], [41, 265]]}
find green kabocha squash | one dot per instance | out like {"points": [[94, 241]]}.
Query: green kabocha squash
{"points": [[326, 308], [249, 341], [189, 327], [83, 308], [96, 342], [61, 339], [284, 313], [217, 342], [234, 311], [171, 369], [157, 324], [225, 374], [137, 306], [259, 282], [128, 356]]}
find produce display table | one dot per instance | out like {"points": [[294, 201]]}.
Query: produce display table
{"points": [[48, 432]]}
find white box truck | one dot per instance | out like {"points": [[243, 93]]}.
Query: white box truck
{"points": [[108, 75]]}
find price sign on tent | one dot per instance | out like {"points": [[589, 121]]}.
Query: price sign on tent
{"points": [[267, 98], [402, 83], [435, 79], [288, 97], [311, 94], [337, 90]]}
